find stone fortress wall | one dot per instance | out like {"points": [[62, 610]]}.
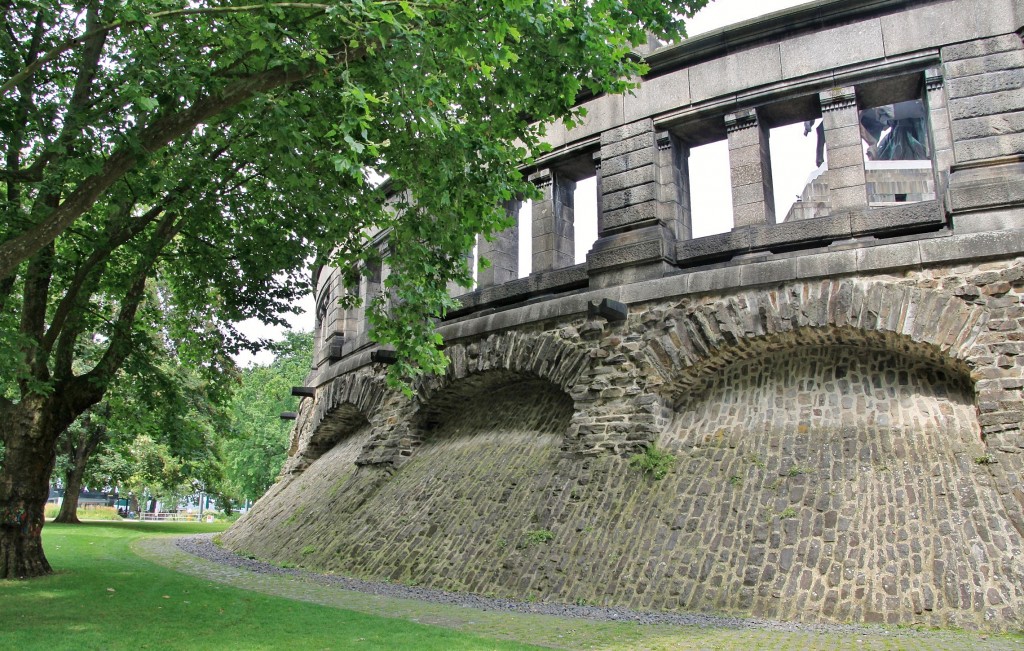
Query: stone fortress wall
{"points": [[841, 390]]}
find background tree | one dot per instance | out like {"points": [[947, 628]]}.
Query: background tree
{"points": [[181, 414], [258, 445], [276, 111]]}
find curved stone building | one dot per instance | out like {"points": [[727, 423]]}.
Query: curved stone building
{"points": [[840, 387]]}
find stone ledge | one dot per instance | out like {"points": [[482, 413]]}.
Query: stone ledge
{"points": [[808, 232], [986, 184], [523, 288], [881, 257]]}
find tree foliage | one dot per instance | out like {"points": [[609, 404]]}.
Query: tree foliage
{"points": [[198, 154], [258, 445]]}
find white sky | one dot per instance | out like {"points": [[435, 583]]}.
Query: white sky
{"points": [[709, 170]]}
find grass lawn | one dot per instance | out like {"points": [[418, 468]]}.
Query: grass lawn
{"points": [[103, 596]]}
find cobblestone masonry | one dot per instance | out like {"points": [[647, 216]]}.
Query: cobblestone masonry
{"points": [[845, 450]]}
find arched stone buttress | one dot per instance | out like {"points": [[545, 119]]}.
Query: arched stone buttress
{"points": [[490, 367]]}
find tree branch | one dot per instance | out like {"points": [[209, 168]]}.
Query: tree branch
{"points": [[91, 33], [121, 337], [154, 136]]}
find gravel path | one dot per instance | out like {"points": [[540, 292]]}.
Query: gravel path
{"points": [[546, 623], [203, 547]]}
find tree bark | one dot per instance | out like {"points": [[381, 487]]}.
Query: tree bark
{"points": [[30, 430], [68, 513], [24, 488]]}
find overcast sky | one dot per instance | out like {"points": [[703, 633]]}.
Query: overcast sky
{"points": [[711, 200]]}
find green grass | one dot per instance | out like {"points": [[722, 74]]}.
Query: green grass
{"points": [[106, 596], [103, 596]]}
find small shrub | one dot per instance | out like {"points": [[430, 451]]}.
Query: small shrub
{"points": [[796, 471], [653, 462], [538, 536], [985, 460], [736, 480], [86, 513], [308, 549], [788, 512]]}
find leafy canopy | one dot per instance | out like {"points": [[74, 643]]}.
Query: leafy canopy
{"points": [[258, 444], [227, 142]]}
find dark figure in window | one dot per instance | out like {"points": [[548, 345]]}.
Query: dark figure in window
{"points": [[907, 138]]}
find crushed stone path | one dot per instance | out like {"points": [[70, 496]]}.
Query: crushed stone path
{"points": [[543, 624]]}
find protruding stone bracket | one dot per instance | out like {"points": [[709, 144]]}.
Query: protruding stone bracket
{"points": [[613, 311], [386, 356], [333, 347]]}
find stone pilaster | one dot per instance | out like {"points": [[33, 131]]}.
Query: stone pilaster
{"points": [[680, 176], [984, 84], [502, 251], [845, 176], [333, 324], [372, 283], [938, 121], [640, 205], [750, 166], [553, 215], [454, 288]]}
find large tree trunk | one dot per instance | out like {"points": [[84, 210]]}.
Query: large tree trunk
{"points": [[30, 430], [25, 487]]}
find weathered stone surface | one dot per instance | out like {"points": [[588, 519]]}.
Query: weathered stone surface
{"points": [[918, 29], [660, 94], [735, 72], [780, 405], [979, 48], [973, 106], [832, 48], [842, 393], [991, 82]]}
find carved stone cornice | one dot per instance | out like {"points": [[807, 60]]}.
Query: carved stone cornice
{"points": [[838, 99], [740, 120]]}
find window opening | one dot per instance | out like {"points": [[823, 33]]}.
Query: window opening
{"points": [[799, 160], [585, 217], [525, 238], [710, 189], [897, 158]]}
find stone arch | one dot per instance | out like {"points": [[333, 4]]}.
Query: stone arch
{"points": [[543, 356], [491, 386], [541, 365], [702, 336], [342, 407]]}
